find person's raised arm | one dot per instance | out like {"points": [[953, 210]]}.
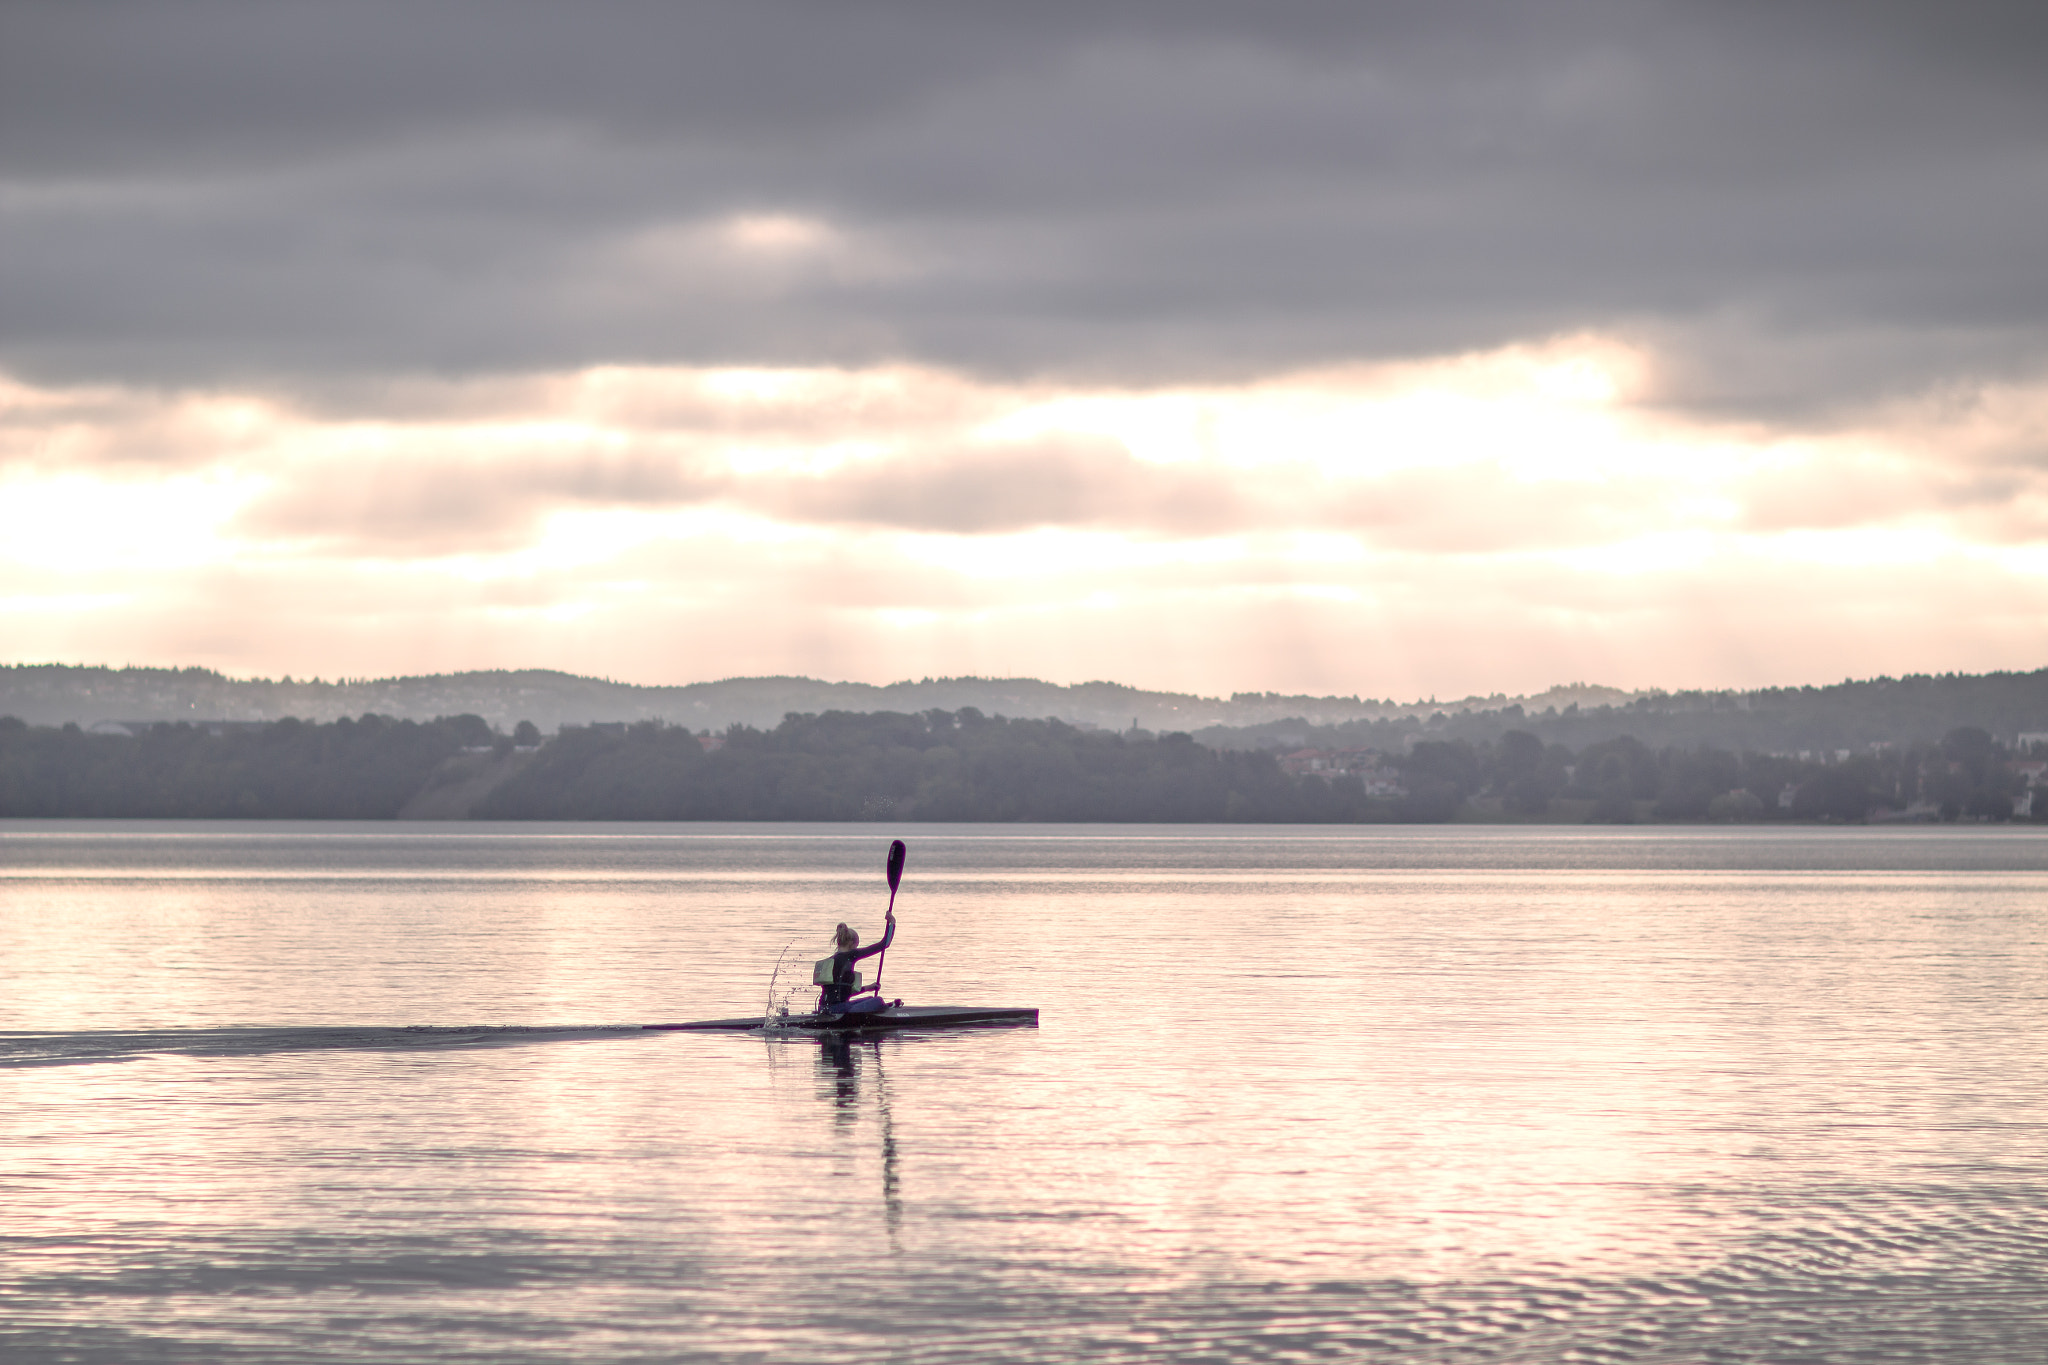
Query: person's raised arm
{"points": [[880, 944]]}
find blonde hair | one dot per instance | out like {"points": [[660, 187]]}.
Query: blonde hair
{"points": [[848, 938]]}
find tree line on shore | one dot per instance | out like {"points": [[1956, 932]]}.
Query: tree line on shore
{"points": [[289, 769], [958, 766]]}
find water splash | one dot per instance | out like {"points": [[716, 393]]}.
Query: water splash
{"points": [[782, 996]]}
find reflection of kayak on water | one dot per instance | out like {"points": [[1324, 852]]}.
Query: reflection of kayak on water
{"points": [[844, 1004], [891, 1016]]}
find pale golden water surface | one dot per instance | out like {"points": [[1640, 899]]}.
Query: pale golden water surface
{"points": [[284, 1092]]}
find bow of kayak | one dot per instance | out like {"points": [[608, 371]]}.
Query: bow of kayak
{"points": [[898, 1017]]}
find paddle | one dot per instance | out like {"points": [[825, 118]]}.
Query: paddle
{"points": [[896, 855]]}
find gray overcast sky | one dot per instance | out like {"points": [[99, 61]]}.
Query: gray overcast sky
{"points": [[1389, 349], [1799, 205]]}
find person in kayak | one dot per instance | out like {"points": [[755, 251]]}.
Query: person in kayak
{"points": [[834, 995]]}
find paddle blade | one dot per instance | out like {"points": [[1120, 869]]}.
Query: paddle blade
{"points": [[896, 855]]}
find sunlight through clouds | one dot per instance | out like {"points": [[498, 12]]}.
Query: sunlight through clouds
{"points": [[1389, 529], [79, 523], [776, 232], [1548, 412]]}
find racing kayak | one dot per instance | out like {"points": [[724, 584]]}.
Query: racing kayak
{"points": [[845, 1005], [894, 1017]]}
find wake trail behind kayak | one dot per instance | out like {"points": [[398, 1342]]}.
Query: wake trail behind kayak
{"points": [[27, 1049]]}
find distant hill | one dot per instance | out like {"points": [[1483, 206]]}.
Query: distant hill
{"points": [[1850, 715], [1843, 718], [56, 694]]}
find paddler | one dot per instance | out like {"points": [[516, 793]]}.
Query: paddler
{"points": [[833, 995]]}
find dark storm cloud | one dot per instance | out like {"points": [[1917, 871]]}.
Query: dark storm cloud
{"points": [[1797, 204]]}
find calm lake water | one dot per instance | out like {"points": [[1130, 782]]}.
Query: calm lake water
{"points": [[336, 1092]]}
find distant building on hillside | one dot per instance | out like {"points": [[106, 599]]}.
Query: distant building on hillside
{"points": [[1367, 765]]}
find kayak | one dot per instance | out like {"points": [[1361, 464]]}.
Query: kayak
{"points": [[895, 1017], [861, 1007]]}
